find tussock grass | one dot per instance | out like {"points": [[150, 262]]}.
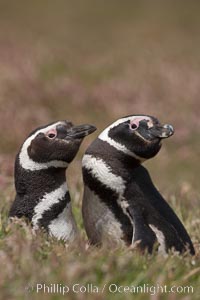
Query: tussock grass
{"points": [[28, 260]]}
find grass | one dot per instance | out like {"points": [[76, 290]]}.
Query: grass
{"points": [[28, 260], [93, 62]]}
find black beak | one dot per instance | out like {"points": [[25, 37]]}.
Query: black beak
{"points": [[80, 131], [163, 132]]}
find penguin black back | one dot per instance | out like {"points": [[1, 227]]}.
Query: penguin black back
{"points": [[130, 209]]}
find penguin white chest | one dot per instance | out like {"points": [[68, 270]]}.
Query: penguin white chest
{"points": [[61, 227], [64, 226], [101, 224]]}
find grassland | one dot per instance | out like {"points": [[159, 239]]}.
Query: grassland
{"points": [[95, 61]]}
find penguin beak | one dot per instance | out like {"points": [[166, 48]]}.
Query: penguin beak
{"points": [[162, 132], [80, 131]]}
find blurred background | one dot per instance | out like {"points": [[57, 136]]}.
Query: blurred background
{"points": [[96, 61]]}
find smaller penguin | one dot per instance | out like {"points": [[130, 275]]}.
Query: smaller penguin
{"points": [[120, 201], [42, 195]]}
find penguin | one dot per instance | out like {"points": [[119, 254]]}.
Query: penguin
{"points": [[42, 195], [120, 202]]}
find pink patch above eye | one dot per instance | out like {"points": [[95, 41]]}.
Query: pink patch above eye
{"points": [[134, 123]]}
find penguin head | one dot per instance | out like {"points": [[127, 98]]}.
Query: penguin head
{"points": [[53, 145], [139, 136]]}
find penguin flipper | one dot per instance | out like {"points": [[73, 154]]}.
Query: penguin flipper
{"points": [[150, 227], [144, 183], [142, 233]]}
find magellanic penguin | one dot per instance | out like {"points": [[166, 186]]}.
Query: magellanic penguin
{"points": [[120, 202], [42, 194]]}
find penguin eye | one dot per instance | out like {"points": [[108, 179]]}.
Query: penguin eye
{"points": [[51, 134], [133, 126]]}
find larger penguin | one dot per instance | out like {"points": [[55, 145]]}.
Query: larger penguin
{"points": [[120, 202], [42, 194]]}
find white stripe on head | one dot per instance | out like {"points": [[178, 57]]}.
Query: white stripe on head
{"points": [[27, 163], [47, 201], [103, 173], [105, 137]]}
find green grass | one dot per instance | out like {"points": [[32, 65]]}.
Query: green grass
{"points": [[93, 62], [28, 260]]}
